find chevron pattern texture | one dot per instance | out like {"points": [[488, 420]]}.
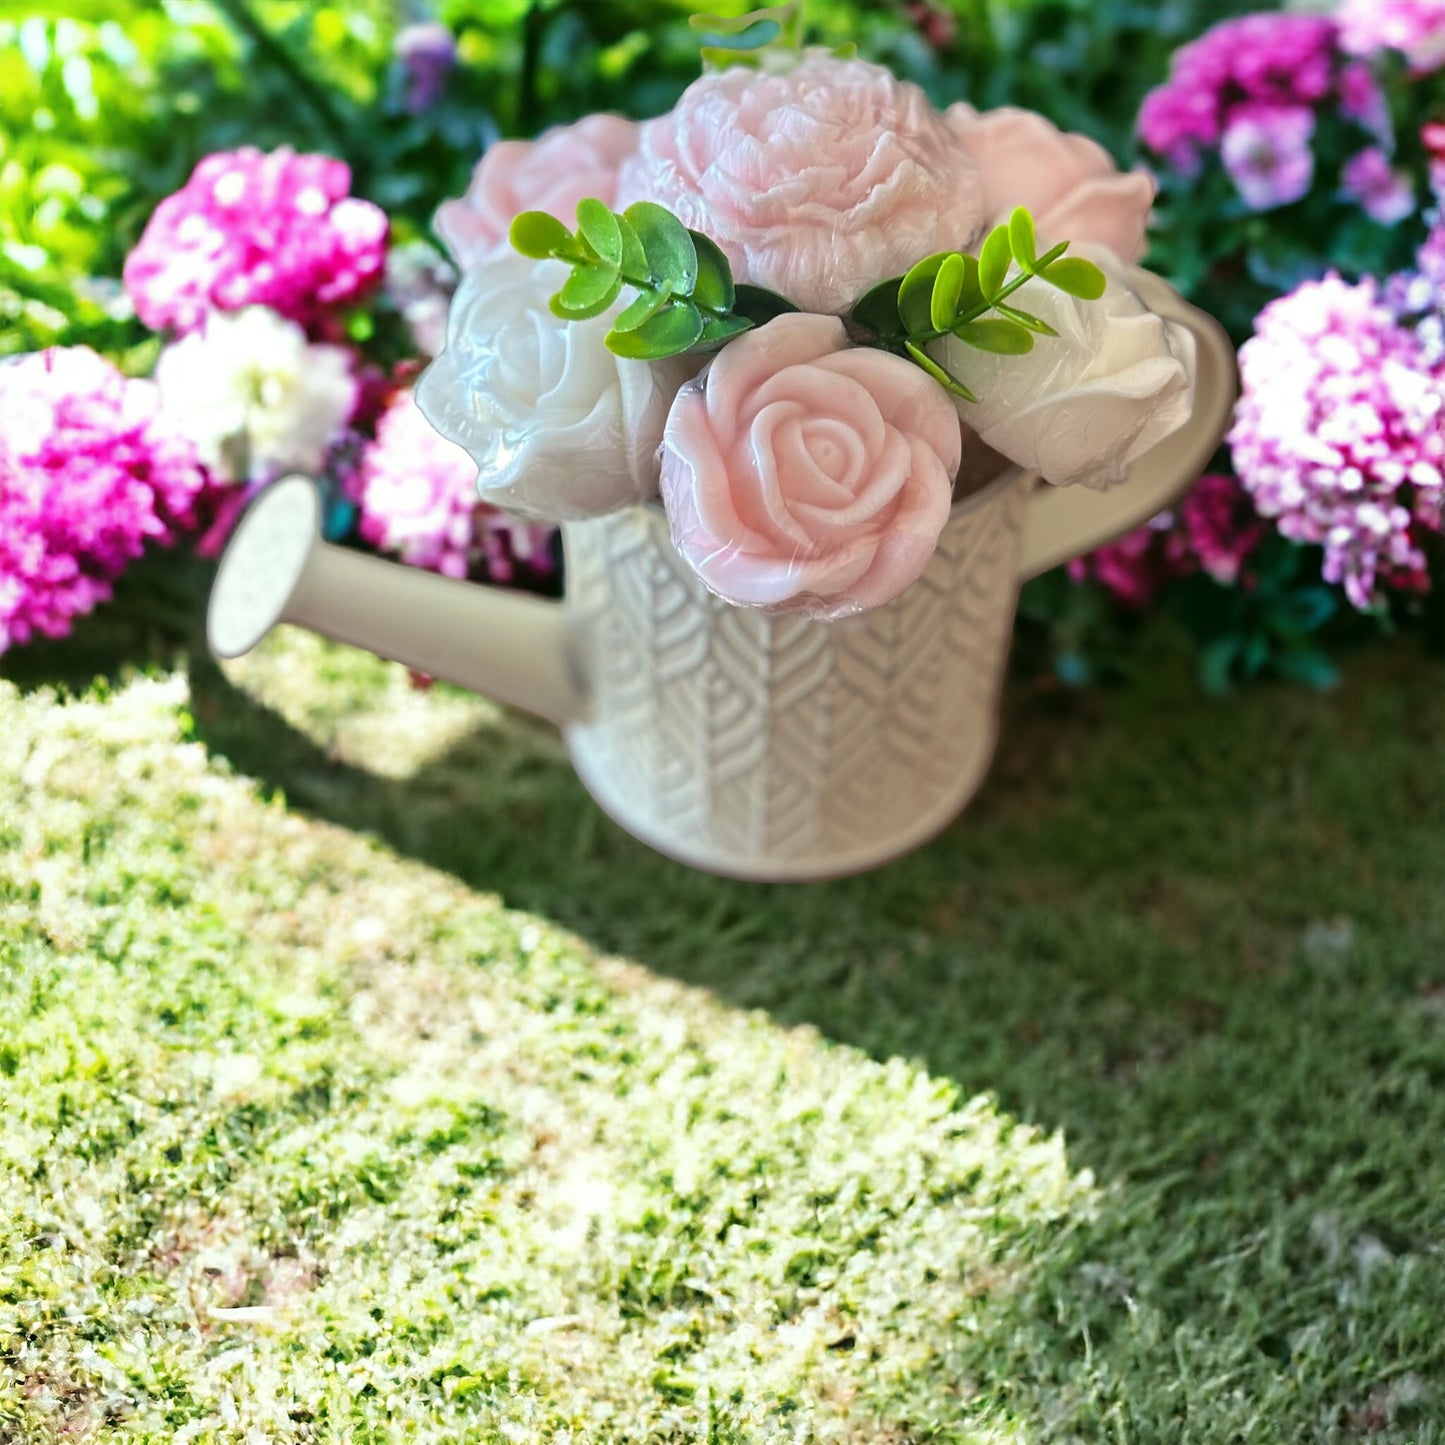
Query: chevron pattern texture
{"points": [[764, 745]]}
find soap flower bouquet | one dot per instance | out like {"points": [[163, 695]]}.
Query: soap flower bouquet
{"points": [[788, 309]]}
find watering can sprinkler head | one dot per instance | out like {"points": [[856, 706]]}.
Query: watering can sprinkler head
{"points": [[276, 568]]}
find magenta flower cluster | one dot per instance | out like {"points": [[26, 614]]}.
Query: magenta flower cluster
{"points": [[1241, 69], [274, 229], [1340, 433], [90, 471], [1251, 90], [416, 494], [1213, 530]]}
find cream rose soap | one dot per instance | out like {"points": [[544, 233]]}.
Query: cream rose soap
{"points": [[787, 309]]}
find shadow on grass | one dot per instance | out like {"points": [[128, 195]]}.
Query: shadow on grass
{"points": [[1207, 940], [1136, 865]]}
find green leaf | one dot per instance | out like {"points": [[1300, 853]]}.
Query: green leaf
{"points": [[675, 329], [1049, 257], [915, 294], [600, 230], [1021, 238], [1077, 276], [1304, 610], [634, 258], [942, 377], [588, 291], [646, 305], [536, 234], [714, 289], [877, 309], [1308, 665], [667, 244], [947, 287], [1216, 665], [1255, 655], [759, 305], [1000, 336], [718, 329], [993, 262], [1025, 318], [971, 293]]}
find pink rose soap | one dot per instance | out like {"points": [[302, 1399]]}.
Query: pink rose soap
{"points": [[1067, 181], [551, 173], [816, 181], [806, 462], [806, 474]]}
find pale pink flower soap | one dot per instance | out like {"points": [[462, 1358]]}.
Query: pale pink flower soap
{"points": [[806, 462], [807, 475]]}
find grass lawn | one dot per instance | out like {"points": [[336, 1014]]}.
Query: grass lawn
{"points": [[362, 1083]]}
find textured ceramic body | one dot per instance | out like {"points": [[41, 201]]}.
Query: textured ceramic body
{"points": [[776, 746]]}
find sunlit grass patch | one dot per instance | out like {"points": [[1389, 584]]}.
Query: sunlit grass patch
{"points": [[305, 1141]]}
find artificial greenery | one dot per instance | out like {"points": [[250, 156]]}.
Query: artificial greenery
{"points": [[687, 299], [952, 293]]}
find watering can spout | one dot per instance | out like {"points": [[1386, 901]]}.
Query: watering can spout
{"points": [[276, 568]]}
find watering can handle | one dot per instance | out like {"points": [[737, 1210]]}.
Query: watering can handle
{"points": [[1065, 522]]}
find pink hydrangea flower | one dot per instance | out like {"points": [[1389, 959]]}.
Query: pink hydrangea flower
{"points": [[1220, 526], [1416, 28], [804, 474], [552, 173], [1432, 134], [1136, 567], [90, 471], [1266, 59], [1340, 432], [816, 181], [1384, 194], [1214, 530], [1266, 151], [1068, 182], [279, 230], [417, 497]]}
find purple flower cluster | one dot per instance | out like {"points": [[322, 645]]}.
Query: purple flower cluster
{"points": [[1213, 530], [275, 229], [1384, 193], [1417, 298], [1251, 91], [1237, 72], [427, 54], [1340, 433], [417, 497], [90, 470]]}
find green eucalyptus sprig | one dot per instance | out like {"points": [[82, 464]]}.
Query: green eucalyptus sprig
{"points": [[952, 293], [686, 298]]}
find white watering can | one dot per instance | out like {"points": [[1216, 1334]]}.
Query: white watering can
{"points": [[767, 747]]}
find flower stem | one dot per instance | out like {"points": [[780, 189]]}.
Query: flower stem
{"points": [[974, 312]]}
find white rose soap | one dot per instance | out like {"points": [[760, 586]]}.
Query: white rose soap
{"points": [[558, 425]]}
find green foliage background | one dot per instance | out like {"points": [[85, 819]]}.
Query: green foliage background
{"points": [[105, 105]]}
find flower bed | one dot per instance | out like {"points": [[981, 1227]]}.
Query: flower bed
{"points": [[294, 298]]}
